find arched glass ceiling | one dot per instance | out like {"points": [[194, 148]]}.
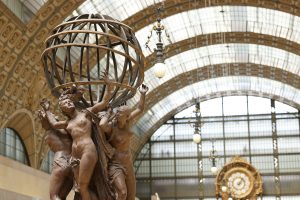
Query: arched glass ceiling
{"points": [[234, 19], [118, 9], [222, 84], [223, 53], [34, 5], [23, 9]]}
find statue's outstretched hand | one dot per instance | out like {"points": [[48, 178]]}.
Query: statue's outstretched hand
{"points": [[41, 114], [143, 89], [44, 120], [45, 103], [104, 77]]}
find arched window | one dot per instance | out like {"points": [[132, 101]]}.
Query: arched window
{"points": [[47, 162], [12, 146], [176, 168]]}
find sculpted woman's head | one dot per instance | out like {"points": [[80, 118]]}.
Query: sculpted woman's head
{"points": [[67, 99], [66, 106], [122, 115]]}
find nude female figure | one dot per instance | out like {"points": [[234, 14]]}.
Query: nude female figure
{"points": [[79, 126], [118, 134], [61, 178]]}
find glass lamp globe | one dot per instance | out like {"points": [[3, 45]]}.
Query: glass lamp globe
{"points": [[159, 69], [224, 188], [196, 138], [230, 198], [214, 170]]}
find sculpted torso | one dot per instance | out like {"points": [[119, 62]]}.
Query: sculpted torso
{"points": [[79, 127], [120, 138], [80, 130], [83, 152], [58, 142]]}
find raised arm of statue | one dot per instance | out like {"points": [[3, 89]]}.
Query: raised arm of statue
{"points": [[104, 103], [44, 121], [61, 178], [50, 116], [143, 90]]}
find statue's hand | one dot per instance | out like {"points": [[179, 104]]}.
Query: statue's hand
{"points": [[45, 104], [81, 89], [73, 88], [41, 114], [44, 120], [110, 111], [104, 77], [143, 89]]}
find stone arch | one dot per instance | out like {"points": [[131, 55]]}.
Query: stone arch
{"points": [[145, 132], [220, 70], [22, 122]]}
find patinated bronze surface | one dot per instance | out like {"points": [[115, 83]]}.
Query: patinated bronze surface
{"points": [[97, 126], [79, 126], [116, 126], [61, 179], [82, 39], [241, 179], [92, 146]]}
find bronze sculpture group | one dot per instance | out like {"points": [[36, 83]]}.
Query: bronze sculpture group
{"points": [[91, 147]]}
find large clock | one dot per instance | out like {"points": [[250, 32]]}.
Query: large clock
{"points": [[240, 179]]}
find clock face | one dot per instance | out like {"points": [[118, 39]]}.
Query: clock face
{"points": [[239, 180], [239, 184]]}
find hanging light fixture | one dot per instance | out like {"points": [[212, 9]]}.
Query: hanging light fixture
{"points": [[159, 66], [198, 124], [212, 157], [196, 138]]}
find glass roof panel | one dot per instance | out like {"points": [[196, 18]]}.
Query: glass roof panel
{"points": [[212, 20], [24, 9], [34, 5], [203, 88], [233, 19], [118, 9], [283, 108], [224, 53]]}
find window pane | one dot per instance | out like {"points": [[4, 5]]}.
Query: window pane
{"points": [[11, 146], [289, 126], [258, 105], [187, 167], [162, 149], [47, 162], [260, 128], [289, 145], [261, 146], [236, 129], [162, 168], [236, 147], [231, 131], [236, 105]]}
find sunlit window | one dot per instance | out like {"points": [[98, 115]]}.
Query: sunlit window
{"points": [[12, 146], [261, 86], [237, 125], [47, 162]]}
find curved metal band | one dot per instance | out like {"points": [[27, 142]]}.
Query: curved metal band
{"points": [[97, 33], [91, 45], [62, 86], [92, 20]]}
